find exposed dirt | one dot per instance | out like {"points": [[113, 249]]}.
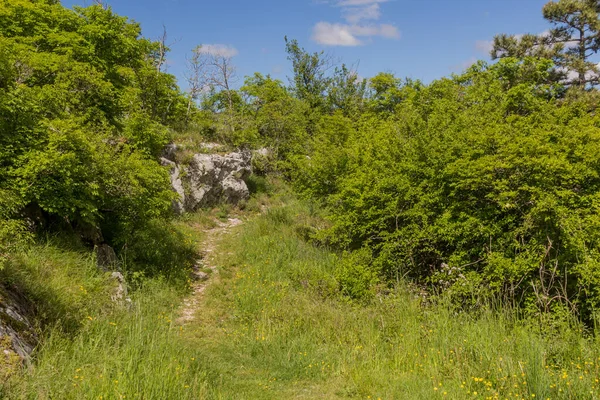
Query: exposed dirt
{"points": [[205, 263]]}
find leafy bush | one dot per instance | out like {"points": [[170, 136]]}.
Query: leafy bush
{"points": [[356, 276], [158, 249], [484, 184], [84, 112]]}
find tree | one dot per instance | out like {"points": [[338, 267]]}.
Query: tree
{"points": [[277, 115], [573, 40], [310, 80], [211, 69], [385, 92], [84, 113], [195, 77], [347, 91]]}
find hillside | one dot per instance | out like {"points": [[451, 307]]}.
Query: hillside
{"points": [[334, 237]]}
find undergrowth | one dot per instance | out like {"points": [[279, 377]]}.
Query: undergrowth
{"points": [[279, 324], [278, 321]]}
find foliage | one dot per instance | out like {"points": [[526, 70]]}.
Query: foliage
{"points": [[480, 184], [571, 43], [84, 111]]}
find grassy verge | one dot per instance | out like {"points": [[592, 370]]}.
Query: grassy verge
{"points": [[274, 324], [93, 347]]}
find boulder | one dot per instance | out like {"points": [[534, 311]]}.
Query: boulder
{"points": [[210, 147], [169, 152], [106, 258], [17, 333], [208, 179], [120, 293], [214, 178], [176, 184]]}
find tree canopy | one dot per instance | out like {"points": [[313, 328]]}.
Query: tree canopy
{"points": [[84, 113], [573, 39]]}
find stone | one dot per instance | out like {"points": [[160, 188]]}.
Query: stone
{"points": [[263, 152], [17, 333], [120, 293], [176, 184], [215, 178], [208, 179], [170, 152], [106, 257], [210, 146]]}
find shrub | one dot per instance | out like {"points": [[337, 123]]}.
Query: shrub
{"points": [[485, 175]]}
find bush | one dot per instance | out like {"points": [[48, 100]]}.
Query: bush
{"points": [[356, 276], [83, 116], [485, 175], [158, 249]]}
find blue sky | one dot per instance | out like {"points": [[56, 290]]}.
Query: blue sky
{"points": [[420, 39]]}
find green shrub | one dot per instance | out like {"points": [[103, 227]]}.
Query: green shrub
{"points": [[84, 113], [486, 176], [159, 249], [356, 275], [258, 184]]}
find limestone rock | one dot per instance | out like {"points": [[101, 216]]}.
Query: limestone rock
{"points": [[170, 151], [120, 293], [176, 184], [210, 146], [208, 179], [214, 178], [17, 334], [105, 256]]}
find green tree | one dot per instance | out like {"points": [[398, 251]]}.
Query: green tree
{"points": [[347, 91], [310, 81], [278, 116], [571, 42], [84, 112]]}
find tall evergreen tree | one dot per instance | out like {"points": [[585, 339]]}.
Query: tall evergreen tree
{"points": [[573, 39]]}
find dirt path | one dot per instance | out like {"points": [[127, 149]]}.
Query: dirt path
{"points": [[201, 278]]}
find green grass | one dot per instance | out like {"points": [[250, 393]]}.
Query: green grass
{"points": [[94, 348], [274, 324]]}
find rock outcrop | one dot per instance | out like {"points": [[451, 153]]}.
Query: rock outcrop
{"points": [[209, 179], [17, 334], [176, 183]]}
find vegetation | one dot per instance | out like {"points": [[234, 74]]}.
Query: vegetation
{"points": [[404, 240], [571, 42], [85, 109], [275, 323]]}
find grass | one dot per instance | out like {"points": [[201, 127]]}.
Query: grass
{"points": [[274, 324]]}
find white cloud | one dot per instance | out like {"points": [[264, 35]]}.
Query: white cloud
{"points": [[334, 35], [484, 46], [347, 3], [574, 75], [389, 31], [356, 13], [463, 65], [219, 50], [348, 35]]}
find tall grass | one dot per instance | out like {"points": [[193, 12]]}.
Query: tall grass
{"points": [[132, 353], [275, 324], [93, 347]]}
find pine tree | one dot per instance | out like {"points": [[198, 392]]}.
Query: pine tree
{"points": [[572, 40]]}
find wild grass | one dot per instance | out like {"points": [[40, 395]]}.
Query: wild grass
{"points": [[93, 347], [274, 324], [132, 353]]}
